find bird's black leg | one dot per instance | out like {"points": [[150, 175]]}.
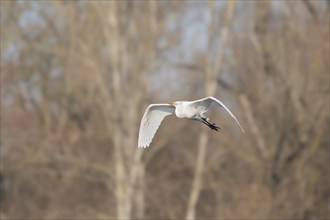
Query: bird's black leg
{"points": [[204, 122], [212, 126]]}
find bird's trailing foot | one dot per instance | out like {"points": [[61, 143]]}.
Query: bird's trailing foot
{"points": [[212, 126]]}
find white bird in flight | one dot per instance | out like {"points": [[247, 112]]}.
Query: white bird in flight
{"points": [[193, 110]]}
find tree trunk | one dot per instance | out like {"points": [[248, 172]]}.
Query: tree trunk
{"points": [[210, 90]]}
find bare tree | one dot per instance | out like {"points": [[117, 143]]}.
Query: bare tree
{"points": [[77, 76], [212, 68]]}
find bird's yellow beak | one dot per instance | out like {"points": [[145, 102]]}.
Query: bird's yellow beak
{"points": [[170, 103]]}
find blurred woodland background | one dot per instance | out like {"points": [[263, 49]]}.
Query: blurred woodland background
{"points": [[76, 77]]}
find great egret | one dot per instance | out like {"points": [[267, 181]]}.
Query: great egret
{"points": [[193, 110]]}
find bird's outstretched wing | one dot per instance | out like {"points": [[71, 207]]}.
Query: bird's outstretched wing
{"points": [[151, 121], [210, 102]]}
